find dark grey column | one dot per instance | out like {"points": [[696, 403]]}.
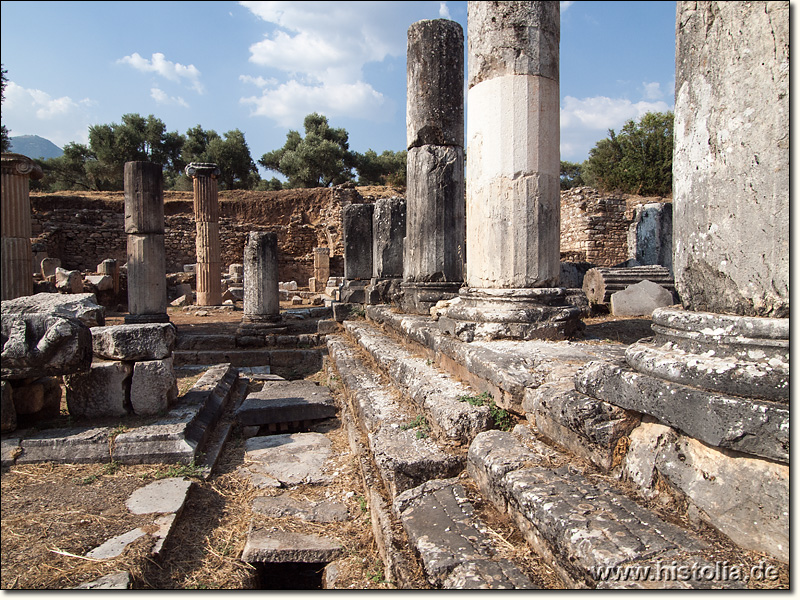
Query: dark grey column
{"points": [[357, 238], [434, 250], [261, 298], [388, 235], [144, 225]]}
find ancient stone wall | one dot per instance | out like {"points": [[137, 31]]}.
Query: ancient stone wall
{"points": [[594, 227], [84, 229]]}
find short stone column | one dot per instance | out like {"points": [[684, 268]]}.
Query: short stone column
{"points": [[206, 213], [16, 270], [144, 226], [262, 308], [434, 251], [513, 187], [357, 238], [388, 237], [322, 269]]}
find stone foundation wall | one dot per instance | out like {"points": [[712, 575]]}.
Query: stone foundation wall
{"points": [[594, 227], [84, 229]]}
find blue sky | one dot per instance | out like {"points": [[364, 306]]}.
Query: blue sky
{"points": [[262, 66]]}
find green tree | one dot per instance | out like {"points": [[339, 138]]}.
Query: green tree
{"points": [[5, 143], [230, 153], [571, 175], [320, 159], [638, 160], [69, 171], [388, 168]]}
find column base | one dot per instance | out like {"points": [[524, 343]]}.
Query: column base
{"points": [[511, 314], [420, 296], [354, 291], [252, 325], [384, 291], [141, 319]]}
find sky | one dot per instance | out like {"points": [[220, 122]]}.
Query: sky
{"points": [[261, 67]]}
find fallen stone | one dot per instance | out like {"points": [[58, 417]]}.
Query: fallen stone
{"points": [[185, 300], [116, 545], [102, 392], [286, 506], [84, 307], [272, 545], [297, 301], [69, 282], [101, 283], [752, 426], [162, 496], [640, 299], [49, 266], [154, 387], [121, 580], [290, 458], [286, 402], [442, 526], [151, 341], [40, 345]]}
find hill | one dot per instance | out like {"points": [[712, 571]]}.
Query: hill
{"points": [[34, 146]]}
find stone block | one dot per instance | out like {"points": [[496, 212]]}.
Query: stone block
{"points": [[640, 299], [84, 307], [286, 506], [150, 341], [49, 266], [40, 345], [101, 283], [102, 392], [28, 398], [326, 326], [69, 282], [286, 402], [185, 300], [346, 310], [8, 414], [297, 301], [120, 580], [162, 496], [292, 459], [275, 546], [153, 386], [73, 446], [357, 239]]}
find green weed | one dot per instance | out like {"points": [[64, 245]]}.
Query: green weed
{"points": [[501, 417]]}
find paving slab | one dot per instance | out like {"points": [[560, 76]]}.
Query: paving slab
{"points": [[116, 545], [292, 459], [286, 402], [121, 580], [275, 546], [162, 496], [75, 445], [286, 506]]}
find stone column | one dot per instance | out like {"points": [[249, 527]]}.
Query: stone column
{"points": [[262, 308], [110, 267], [144, 226], [357, 238], [434, 251], [388, 236], [513, 185], [15, 220], [322, 268], [206, 213]]}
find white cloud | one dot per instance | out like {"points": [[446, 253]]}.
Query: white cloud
{"points": [[161, 97], [291, 101], [444, 11], [167, 69], [322, 47], [565, 4], [36, 112], [586, 121], [258, 81], [652, 91]]}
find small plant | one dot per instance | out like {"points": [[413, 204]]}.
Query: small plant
{"points": [[479, 400], [358, 311], [116, 431], [376, 573], [419, 423], [501, 417], [190, 470], [88, 480], [429, 362], [111, 468], [362, 504]]}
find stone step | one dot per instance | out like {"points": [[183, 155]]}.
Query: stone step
{"points": [[453, 544], [286, 402], [436, 393], [593, 535], [310, 360], [400, 441], [234, 341]]}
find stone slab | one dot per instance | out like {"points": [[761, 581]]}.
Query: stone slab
{"points": [[154, 387], [581, 525], [286, 506], [162, 496], [150, 341], [452, 542], [121, 580], [115, 546], [286, 402], [640, 299], [275, 546], [292, 459], [752, 426], [83, 307], [75, 446]]}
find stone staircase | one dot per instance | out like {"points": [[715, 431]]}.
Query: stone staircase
{"points": [[422, 435]]}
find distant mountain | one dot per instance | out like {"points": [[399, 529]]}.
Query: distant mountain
{"points": [[34, 146]]}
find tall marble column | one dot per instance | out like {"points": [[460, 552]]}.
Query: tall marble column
{"points": [[262, 308], [434, 250], [206, 213], [15, 220], [513, 182], [144, 226]]}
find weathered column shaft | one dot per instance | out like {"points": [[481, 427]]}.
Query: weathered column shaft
{"points": [[144, 224], [206, 214], [15, 221], [388, 233], [322, 269], [357, 234], [261, 297], [513, 182], [731, 165]]}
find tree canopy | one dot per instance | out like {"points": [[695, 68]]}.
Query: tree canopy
{"points": [[5, 143]]}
